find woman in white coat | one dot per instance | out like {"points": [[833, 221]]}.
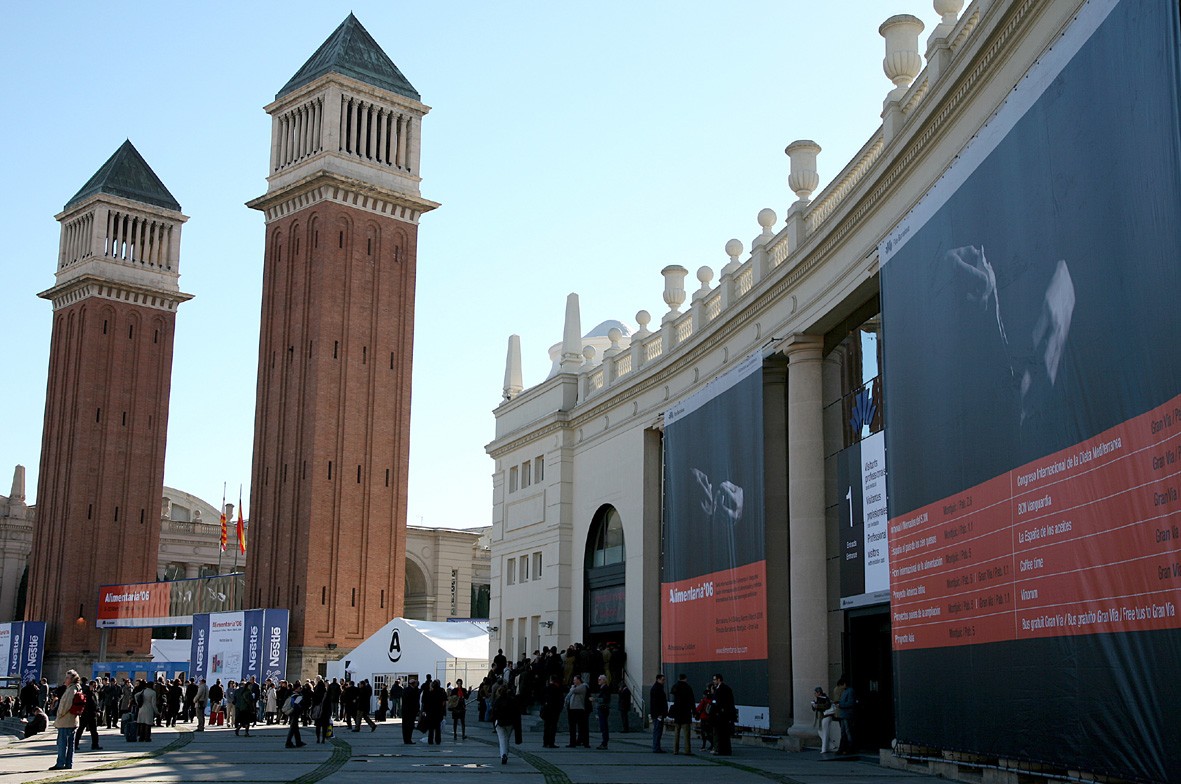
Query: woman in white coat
{"points": [[145, 716]]}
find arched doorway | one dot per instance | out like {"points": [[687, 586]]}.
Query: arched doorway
{"points": [[419, 603], [605, 578]]}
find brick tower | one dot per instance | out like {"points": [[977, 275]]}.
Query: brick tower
{"points": [[332, 418], [106, 405]]}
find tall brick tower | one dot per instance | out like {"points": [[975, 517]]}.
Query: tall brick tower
{"points": [[332, 422], [106, 405]]}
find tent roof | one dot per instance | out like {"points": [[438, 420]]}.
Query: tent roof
{"points": [[461, 640]]}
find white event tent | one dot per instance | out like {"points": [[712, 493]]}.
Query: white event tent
{"points": [[404, 647]]}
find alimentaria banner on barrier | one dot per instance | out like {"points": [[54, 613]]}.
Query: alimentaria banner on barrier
{"points": [[236, 645], [170, 603], [713, 584], [1033, 409]]}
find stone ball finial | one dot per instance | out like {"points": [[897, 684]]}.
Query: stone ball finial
{"points": [[588, 353], [643, 318], [948, 10], [803, 179], [902, 62], [734, 247], [704, 276], [614, 335]]}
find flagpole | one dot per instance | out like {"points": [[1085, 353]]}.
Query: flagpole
{"points": [[238, 529], [221, 536]]}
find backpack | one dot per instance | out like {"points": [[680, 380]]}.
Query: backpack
{"points": [[78, 705], [289, 705]]}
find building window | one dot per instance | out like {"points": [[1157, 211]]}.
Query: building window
{"points": [[607, 547], [510, 571], [539, 469], [526, 474], [537, 566], [524, 559], [512, 479], [855, 347]]}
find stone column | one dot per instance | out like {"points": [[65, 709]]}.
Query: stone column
{"points": [[806, 536]]}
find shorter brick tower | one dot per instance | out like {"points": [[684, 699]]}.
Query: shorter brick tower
{"points": [[106, 406], [332, 419]]}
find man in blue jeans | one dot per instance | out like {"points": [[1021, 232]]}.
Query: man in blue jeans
{"points": [[658, 710], [603, 704], [66, 723]]}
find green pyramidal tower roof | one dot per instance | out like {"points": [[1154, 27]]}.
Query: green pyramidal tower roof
{"points": [[352, 52], [128, 175]]}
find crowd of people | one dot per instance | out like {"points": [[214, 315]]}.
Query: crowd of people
{"points": [[577, 683], [585, 681]]}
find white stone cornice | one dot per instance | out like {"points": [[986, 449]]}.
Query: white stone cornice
{"points": [[329, 187], [83, 286], [374, 93], [128, 205]]}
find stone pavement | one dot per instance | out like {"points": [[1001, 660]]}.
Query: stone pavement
{"points": [[217, 755]]}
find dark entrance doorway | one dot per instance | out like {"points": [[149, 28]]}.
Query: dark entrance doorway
{"points": [[606, 589], [868, 663]]}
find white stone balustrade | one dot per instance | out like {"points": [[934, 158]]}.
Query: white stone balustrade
{"points": [[903, 63]]}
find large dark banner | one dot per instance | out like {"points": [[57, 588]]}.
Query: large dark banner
{"points": [[1033, 405], [713, 585]]}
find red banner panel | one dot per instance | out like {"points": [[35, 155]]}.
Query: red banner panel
{"points": [[717, 617]]}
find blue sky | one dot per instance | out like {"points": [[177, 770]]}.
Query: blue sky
{"points": [[574, 147]]}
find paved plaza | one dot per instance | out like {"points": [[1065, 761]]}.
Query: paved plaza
{"points": [[181, 755]]}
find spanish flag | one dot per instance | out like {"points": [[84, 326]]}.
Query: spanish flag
{"points": [[241, 525]]}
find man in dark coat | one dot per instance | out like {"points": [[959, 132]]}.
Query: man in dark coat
{"points": [[362, 703], [396, 699], [348, 701], [658, 710], [29, 697], [190, 704], [88, 721], [553, 699], [723, 715], [410, 697], [681, 711], [332, 699]]}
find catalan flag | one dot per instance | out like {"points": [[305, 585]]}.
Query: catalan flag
{"points": [[223, 522]]}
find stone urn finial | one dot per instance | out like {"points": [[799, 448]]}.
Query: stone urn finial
{"points": [[948, 10], [674, 287], [902, 62], [803, 179]]}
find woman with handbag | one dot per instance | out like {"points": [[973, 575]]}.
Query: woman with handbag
{"points": [[457, 706], [504, 705], [321, 712]]}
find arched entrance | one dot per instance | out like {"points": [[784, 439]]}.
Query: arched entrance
{"points": [[419, 603], [605, 578]]}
